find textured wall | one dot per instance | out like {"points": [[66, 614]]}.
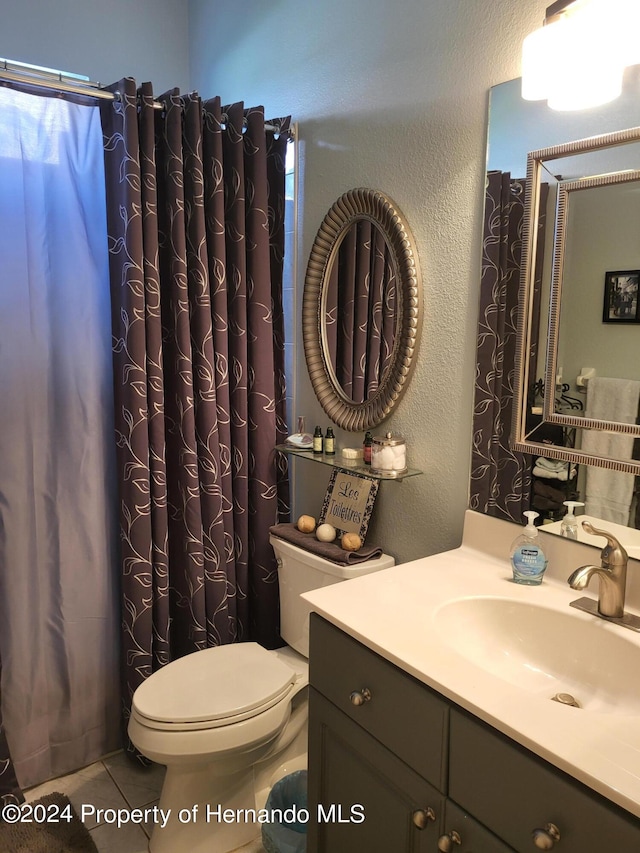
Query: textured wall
{"points": [[393, 96], [103, 39]]}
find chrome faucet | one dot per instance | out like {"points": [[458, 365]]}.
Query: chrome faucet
{"points": [[612, 575]]}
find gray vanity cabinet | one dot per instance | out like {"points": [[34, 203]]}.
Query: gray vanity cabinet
{"points": [[395, 708], [514, 793], [461, 833], [378, 743], [368, 799], [377, 737], [429, 777]]}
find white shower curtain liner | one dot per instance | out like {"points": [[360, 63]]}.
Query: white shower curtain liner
{"points": [[59, 623]]}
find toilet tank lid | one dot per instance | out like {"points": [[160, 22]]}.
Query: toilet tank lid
{"points": [[214, 684]]}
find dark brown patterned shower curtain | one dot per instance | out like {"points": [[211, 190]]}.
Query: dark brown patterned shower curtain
{"points": [[501, 478], [195, 200], [361, 310]]}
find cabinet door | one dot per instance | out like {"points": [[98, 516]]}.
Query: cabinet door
{"points": [[361, 797], [471, 836], [513, 792]]}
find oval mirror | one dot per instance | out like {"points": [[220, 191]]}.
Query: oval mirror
{"points": [[361, 313]]}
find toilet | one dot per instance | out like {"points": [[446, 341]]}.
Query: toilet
{"points": [[230, 721]]}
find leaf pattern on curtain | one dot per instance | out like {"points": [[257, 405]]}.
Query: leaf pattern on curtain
{"points": [[501, 478], [360, 325], [195, 201]]}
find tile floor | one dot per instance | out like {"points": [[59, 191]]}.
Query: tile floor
{"points": [[112, 783]]}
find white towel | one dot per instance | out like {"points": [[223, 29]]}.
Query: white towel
{"points": [[609, 493], [551, 464], [565, 473]]}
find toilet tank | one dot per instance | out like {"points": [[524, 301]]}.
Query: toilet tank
{"points": [[301, 571]]}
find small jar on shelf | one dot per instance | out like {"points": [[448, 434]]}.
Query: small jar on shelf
{"points": [[389, 455]]}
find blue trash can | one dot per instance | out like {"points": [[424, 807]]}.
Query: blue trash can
{"points": [[288, 799]]}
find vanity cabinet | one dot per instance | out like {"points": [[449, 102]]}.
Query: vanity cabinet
{"points": [[461, 833], [368, 798], [427, 776], [513, 792], [398, 711]]}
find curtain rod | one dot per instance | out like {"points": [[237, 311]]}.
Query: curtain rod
{"points": [[35, 76], [61, 81]]}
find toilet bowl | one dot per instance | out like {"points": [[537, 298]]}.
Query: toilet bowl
{"points": [[229, 721]]}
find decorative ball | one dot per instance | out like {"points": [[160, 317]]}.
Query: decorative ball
{"points": [[326, 532], [306, 524], [351, 542]]}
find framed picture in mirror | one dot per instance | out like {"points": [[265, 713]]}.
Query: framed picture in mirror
{"points": [[621, 297]]}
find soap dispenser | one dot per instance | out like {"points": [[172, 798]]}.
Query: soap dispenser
{"points": [[528, 560], [569, 525]]}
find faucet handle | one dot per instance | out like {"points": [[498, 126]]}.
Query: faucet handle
{"points": [[613, 552]]}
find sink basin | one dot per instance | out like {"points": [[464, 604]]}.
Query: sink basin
{"points": [[545, 651]]}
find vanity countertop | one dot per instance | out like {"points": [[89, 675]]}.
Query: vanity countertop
{"points": [[399, 613]]}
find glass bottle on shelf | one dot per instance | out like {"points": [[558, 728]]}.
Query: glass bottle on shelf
{"points": [[329, 443], [366, 448], [317, 441]]}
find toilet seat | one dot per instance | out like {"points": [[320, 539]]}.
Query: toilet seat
{"points": [[212, 688]]}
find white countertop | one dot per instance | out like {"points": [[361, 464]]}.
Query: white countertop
{"points": [[394, 613]]}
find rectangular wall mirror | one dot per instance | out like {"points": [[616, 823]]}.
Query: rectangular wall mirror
{"points": [[588, 331], [568, 340]]}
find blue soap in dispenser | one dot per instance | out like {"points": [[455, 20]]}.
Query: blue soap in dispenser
{"points": [[528, 560]]}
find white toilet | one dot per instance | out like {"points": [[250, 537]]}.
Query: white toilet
{"points": [[228, 722]]}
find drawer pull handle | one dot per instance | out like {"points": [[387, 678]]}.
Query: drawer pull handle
{"points": [[359, 697], [446, 842], [545, 839], [421, 817]]}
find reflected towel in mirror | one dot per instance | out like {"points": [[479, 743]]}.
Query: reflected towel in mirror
{"points": [[554, 469], [608, 493]]}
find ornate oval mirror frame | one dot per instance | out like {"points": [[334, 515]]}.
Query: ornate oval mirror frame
{"points": [[350, 208]]}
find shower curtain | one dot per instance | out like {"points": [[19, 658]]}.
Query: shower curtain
{"points": [[361, 310], [10, 791], [58, 572], [196, 237], [501, 478]]}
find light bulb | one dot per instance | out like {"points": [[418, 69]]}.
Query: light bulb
{"points": [[539, 55], [578, 61]]}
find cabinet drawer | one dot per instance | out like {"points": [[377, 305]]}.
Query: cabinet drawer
{"points": [[511, 791], [405, 715]]}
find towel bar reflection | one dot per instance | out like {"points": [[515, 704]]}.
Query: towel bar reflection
{"points": [[587, 373]]}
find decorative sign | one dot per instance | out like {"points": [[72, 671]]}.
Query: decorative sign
{"points": [[349, 502]]}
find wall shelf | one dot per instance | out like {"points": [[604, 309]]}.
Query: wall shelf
{"points": [[337, 461]]}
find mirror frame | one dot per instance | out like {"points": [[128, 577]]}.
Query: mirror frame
{"points": [[352, 206], [535, 166]]}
